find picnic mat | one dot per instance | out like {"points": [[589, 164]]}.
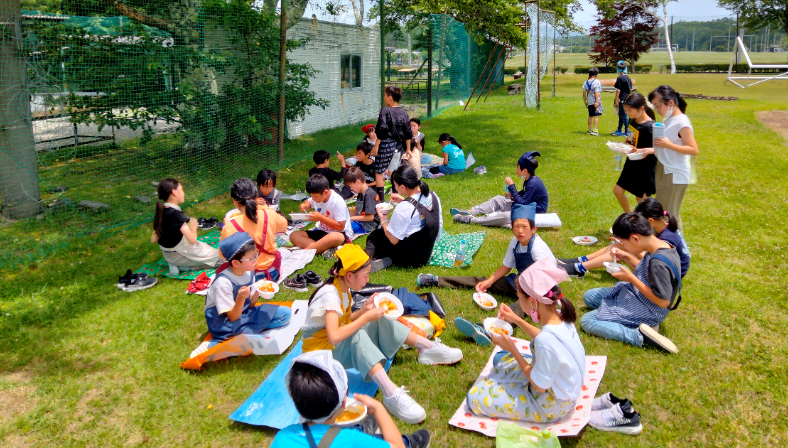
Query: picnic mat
{"points": [[571, 425], [270, 405], [447, 244], [161, 268], [269, 342], [548, 220]]}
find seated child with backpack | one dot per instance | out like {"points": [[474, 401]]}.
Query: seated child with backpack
{"points": [[641, 299], [547, 389], [176, 233], [319, 388], [365, 339], [525, 248], [497, 209], [331, 216], [366, 217], [266, 184], [453, 157], [230, 303]]}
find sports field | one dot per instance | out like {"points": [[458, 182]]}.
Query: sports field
{"points": [[656, 59]]}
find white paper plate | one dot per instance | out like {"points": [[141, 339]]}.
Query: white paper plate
{"points": [[299, 216], [619, 147], [586, 240], [612, 267], [494, 322], [636, 155], [351, 404], [481, 297], [266, 295], [390, 315]]}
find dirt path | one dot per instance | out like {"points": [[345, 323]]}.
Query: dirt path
{"points": [[776, 120]]}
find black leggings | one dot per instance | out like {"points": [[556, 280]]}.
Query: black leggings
{"points": [[402, 254]]}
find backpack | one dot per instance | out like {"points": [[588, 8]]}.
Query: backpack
{"points": [[676, 273]]}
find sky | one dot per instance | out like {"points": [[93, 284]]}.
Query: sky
{"points": [[687, 10]]}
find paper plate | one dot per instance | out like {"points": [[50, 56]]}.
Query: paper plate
{"points": [[493, 322], [585, 240], [612, 267], [481, 297], [299, 216], [390, 315], [264, 294], [354, 406], [619, 147], [635, 155]]}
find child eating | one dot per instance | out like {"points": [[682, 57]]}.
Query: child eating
{"points": [[364, 162], [546, 389], [266, 184], [331, 216], [366, 218]]}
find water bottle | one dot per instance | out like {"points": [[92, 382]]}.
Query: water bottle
{"points": [[459, 257], [506, 192], [619, 161], [659, 130]]}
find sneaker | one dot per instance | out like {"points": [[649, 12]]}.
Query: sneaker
{"points": [[472, 330], [571, 270], [122, 281], [590, 132], [440, 354], [568, 260], [329, 254], [380, 264], [607, 401], [463, 219], [426, 280], [618, 134], [312, 279], [419, 439], [207, 224], [369, 426], [202, 348], [457, 211], [654, 339], [296, 283], [140, 283], [615, 419], [403, 407]]}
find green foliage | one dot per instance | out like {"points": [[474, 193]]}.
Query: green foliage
{"points": [[583, 70], [759, 13], [643, 69]]}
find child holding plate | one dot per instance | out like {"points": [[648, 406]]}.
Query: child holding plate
{"points": [[545, 389], [361, 339], [637, 176]]}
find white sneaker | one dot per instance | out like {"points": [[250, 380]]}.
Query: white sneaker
{"points": [[202, 348], [404, 408], [615, 419], [440, 354]]}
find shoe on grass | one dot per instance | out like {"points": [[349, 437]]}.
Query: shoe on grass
{"points": [[440, 354], [472, 330], [369, 426], [609, 400], [329, 254], [464, 219], [457, 211], [139, 283], [296, 283], [572, 270], [618, 134], [615, 419], [403, 407], [313, 279], [419, 439], [654, 339], [380, 264], [568, 260], [426, 280], [126, 278]]}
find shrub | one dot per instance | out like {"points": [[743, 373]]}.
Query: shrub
{"points": [[583, 70], [509, 71], [644, 69]]}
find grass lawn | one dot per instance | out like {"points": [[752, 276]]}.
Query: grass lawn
{"points": [[84, 364]]}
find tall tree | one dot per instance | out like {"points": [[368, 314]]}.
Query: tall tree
{"points": [[358, 11], [760, 13], [626, 35]]}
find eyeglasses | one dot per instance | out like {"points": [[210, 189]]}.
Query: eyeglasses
{"points": [[252, 258]]}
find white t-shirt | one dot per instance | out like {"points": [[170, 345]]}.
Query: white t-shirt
{"points": [[220, 294], [559, 360], [334, 208], [538, 251], [674, 162], [595, 86], [403, 225], [326, 299]]}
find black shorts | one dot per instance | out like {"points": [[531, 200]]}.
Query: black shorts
{"points": [[317, 235], [593, 111]]}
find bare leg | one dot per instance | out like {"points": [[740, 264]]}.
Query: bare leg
{"points": [[302, 240], [589, 123], [379, 182], [621, 195], [596, 121], [596, 262]]}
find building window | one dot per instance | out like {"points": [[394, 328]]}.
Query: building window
{"points": [[350, 69]]}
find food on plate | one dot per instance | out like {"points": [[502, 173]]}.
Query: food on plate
{"points": [[586, 239], [486, 302], [499, 331], [388, 305], [265, 286], [351, 413]]}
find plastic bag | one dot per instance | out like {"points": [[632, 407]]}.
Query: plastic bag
{"points": [[510, 435]]}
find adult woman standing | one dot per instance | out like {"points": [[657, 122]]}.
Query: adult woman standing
{"points": [[394, 135], [674, 152]]}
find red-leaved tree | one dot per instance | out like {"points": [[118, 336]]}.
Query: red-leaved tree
{"points": [[625, 35]]}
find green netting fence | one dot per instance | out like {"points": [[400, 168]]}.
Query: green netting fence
{"points": [[101, 100]]}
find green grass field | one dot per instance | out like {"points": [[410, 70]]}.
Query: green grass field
{"points": [[661, 58], [83, 364]]}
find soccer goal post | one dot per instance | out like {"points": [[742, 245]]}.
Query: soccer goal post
{"points": [[782, 69]]}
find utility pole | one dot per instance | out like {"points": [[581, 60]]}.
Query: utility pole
{"points": [[740, 32], [729, 38], [382, 50], [671, 29], [693, 38]]}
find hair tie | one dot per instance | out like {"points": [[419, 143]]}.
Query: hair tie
{"points": [[664, 213], [550, 294]]}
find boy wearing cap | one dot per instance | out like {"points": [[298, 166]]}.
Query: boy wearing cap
{"points": [[623, 88], [319, 388], [229, 304], [497, 210], [525, 248]]}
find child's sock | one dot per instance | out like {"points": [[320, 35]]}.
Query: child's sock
{"points": [[423, 343], [387, 387], [580, 268], [582, 259]]}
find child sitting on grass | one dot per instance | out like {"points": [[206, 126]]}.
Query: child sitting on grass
{"points": [[497, 209], [640, 300], [365, 339], [319, 388], [545, 390], [364, 162], [322, 159], [176, 233], [366, 218], [266, 184], [525, 248], [453, 157], [416, 146], [332, 218], [230, 303], [371, 135]]}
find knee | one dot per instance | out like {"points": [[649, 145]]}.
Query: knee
{"points": [[591, 299], [587, 321], [283, 314]]}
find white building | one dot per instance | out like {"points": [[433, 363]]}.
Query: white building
{"points": [[347, 58]]}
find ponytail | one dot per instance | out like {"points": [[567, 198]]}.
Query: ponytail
{"points": [[245, 192], [651, 208], [666, 94], [448, 138], [407, 177], [567, 310], [636, 100], [163, 190]]}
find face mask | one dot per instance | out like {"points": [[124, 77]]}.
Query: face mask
{"points": [[669, 114], [523, 176], [534, 313]]}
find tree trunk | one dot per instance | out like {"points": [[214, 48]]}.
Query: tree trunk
{"points": [[19, 189], [667, 38], [358, 11]]}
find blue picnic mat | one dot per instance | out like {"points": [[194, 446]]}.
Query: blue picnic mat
{"points": [[270, 405]]}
